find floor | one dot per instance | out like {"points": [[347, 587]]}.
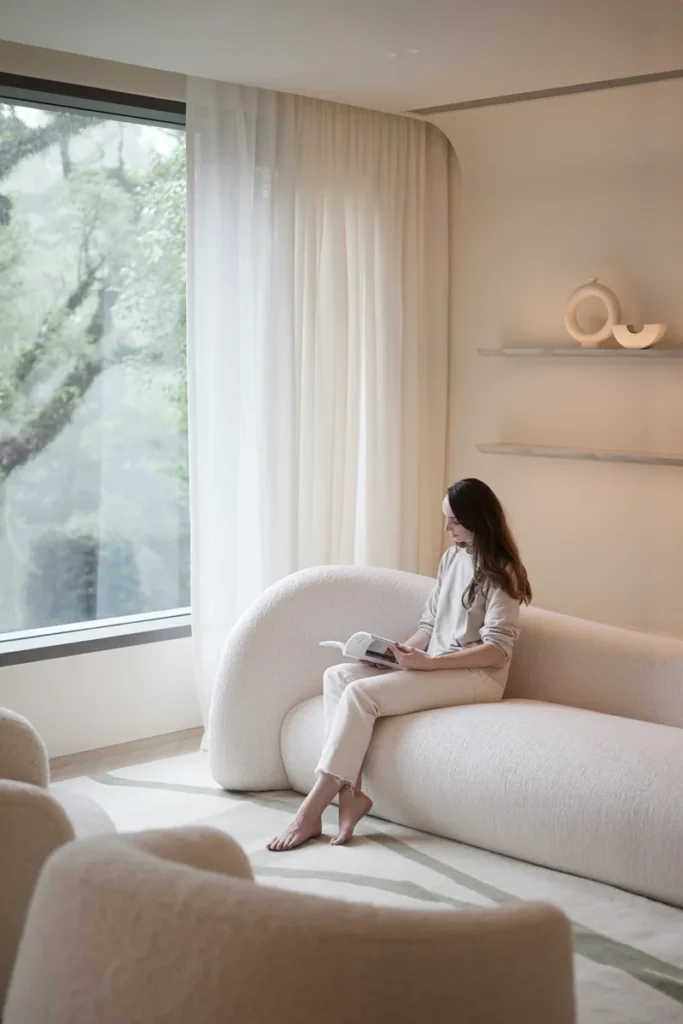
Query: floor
{"points": [[629, 950]]}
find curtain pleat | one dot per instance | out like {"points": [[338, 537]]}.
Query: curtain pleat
{"points": [[317, 344]]}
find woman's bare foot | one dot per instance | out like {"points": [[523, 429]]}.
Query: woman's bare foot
{"points": [[302, 829], [352, 807]]}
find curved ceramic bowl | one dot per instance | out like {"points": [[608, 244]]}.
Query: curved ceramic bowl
{"points": [[628, 337]]}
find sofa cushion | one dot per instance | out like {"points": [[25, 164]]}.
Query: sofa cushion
{"points": [[576, 790]]}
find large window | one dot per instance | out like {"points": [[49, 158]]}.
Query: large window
{"points": [[93, 413]]}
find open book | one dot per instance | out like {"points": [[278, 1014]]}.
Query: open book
{"points": [[365, 647]]}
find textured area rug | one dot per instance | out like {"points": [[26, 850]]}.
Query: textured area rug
{"points": [[629, 950]]}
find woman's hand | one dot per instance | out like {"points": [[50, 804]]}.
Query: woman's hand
{"points": [[410, 657]]}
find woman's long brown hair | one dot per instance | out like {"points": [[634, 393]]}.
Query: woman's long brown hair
{"points": [[496, 556]]}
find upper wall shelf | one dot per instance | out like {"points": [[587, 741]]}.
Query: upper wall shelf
{"points": [[577, 350], [593, 454]]}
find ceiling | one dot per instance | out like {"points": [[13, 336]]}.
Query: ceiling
{"points": [[393, 55]]}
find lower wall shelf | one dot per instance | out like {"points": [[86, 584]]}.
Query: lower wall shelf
{"points": [[592, 454], [536, 351]]}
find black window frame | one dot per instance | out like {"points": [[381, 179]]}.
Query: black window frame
{"points": [[85, 638]]}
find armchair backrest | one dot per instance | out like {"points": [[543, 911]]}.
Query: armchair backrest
{"points": [[117, 932]]}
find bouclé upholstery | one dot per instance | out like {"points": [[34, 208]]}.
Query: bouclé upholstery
{"points": [[169, 928], [34, 821], [579, 768]]}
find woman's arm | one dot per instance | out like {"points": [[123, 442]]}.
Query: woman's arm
{"points": [[498, 634], [425, 627], [480, 656], [419, 641]]}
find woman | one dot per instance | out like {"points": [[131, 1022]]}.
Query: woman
{"points": [[460, 654]]}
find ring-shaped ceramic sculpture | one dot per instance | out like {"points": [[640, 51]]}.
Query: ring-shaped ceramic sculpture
{"points": [[612, 310]]}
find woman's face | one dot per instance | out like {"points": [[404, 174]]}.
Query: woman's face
{"points": [[457, 533]]}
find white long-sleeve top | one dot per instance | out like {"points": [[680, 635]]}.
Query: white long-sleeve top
{"points": [[492, 619]]}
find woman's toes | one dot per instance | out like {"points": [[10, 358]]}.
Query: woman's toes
{"points": [[296, 834]]}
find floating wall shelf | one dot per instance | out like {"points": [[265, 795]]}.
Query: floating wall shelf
{"points": [[593, 454], [577, 350]]}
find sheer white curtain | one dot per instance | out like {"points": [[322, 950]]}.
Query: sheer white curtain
{"points": [[318, 344]]}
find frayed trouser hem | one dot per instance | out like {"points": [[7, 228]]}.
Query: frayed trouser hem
{"points": [[344, 783]]}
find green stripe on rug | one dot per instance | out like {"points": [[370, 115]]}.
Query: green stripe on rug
{"points": [[275, 803], [411, 889], [664, 977], [601, 949]]}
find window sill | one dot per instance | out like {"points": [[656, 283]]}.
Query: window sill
{"points": [[67, 641]]}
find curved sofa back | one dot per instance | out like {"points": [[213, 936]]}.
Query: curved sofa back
{"points": [[583, 664], [272, 662]]}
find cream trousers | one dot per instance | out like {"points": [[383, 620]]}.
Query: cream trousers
{"points": [[355, 696]]}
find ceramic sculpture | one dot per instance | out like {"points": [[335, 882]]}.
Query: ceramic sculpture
{"points": [[628, 337], [612, 310]]}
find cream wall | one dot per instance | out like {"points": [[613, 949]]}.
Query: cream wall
{"points": [[108, 697], [554, 192]]}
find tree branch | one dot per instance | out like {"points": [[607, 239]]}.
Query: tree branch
{"points": [[65, 154], [57, 413], [51, 325], [34, 140]]}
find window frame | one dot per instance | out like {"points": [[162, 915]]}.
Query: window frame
{"points": [[131, 630]]}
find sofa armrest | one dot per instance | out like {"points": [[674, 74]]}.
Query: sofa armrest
{"points": [[272, 661], [23, 756], [33, 826]]}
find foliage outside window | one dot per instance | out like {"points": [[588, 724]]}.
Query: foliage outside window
{"points": [[93, 414]]}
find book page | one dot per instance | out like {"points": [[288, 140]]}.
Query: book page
{"points": [[365, 647], [379, 650]]}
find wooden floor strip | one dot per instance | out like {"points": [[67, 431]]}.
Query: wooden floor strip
{"points": [[122, 755]]}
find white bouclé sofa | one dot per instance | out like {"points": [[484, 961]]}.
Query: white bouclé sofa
{"points": [[579, 768]]}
